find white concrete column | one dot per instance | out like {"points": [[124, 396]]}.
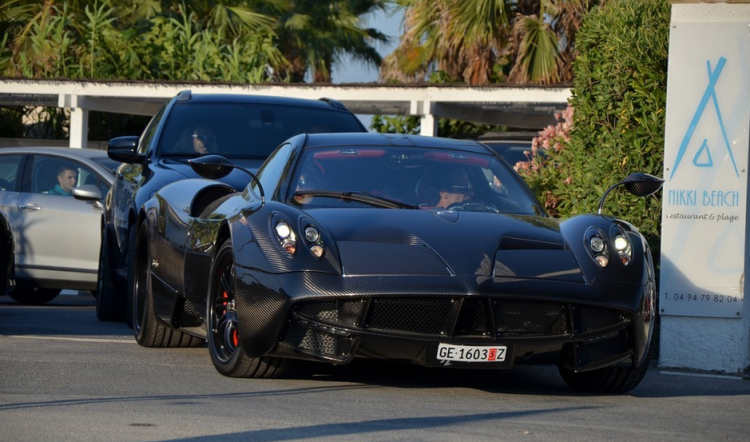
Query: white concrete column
{"points": [[79, 120], [428, 125]]}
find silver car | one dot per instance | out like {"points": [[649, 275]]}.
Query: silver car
{"points": [[50, 219]]}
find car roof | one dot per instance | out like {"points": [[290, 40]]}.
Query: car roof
{"points": [[323, 103], [400, 140], [66, 151]]}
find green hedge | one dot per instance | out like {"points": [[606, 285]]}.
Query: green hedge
{"points": [[619, 97]]}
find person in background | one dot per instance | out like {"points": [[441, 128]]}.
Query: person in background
{"points": [[67, 177], [203, 140]]}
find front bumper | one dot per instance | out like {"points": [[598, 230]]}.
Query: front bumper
{"points": [[334, 319]]}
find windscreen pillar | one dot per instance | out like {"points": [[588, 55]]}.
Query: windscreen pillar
{"points": [[79, 119], [705, 323]]}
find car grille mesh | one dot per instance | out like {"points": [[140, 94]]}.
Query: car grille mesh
{"points": [[189, 316], [459, 317], [423, 316], [530, 319], [592, 318], [303, 337]]}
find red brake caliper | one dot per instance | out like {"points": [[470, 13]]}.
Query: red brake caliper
{"points": [[235, 334]]}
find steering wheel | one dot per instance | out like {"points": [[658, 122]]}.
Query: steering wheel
{"points": [[507, 202], [473, 206]]}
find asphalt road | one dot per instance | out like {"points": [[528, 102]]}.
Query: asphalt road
{"points": [[64, 376]]}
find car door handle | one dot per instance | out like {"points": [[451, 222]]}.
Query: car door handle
{"points": [[31, 207]]}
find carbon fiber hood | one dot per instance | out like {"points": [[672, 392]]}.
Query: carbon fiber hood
{"points": [[434, 242]]}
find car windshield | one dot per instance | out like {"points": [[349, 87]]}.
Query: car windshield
{"points": [[244, 130], [408, 178]]}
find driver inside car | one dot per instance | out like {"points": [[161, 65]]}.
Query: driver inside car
{"points": [[456, 190], [441, 187]]}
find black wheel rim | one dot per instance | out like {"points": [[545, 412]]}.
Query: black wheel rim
{"points": [[223, 318]]}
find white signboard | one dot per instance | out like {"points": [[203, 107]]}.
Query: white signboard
{"points": [[705, 170]]}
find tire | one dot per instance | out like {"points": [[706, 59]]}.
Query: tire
{"points": [[607, 380], [130, 258], [110, 300], [33, 295], [222, 332], [149, 331]]}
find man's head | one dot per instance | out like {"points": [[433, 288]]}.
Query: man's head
{"points": [[203, 140], [457, 188], [67, 177]]}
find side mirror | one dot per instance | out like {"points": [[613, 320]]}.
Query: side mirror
{"points": [[639, 184], [215, 167], [88, 192], [125, 150]]}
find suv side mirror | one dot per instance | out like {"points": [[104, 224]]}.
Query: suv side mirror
{"points": [[125, 150]]}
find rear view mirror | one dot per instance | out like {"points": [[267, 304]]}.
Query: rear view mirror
{"points": [[125, 150], [639, 184]]}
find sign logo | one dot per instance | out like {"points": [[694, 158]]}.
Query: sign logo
{"points": [[703, 156]]}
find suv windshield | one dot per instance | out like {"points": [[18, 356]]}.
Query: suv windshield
{"points": [[244, 130], [409, 178]]}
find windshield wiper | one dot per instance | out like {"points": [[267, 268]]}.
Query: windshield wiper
{"points": [[362, 197]]}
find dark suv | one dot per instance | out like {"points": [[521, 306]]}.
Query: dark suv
{"points": [[242, 128]]}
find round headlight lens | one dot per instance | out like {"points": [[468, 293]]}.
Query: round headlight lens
{"points": [[596, 244], [312, 234], [289, 246], [601, 260], [317, 251], [283, 230], [621, 243]]}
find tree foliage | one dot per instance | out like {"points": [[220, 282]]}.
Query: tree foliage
{"points": [[619, 96], [487, 41], [236, 41], [243, 41]]}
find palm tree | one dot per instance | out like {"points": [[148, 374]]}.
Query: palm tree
{"points": [[315, 35], [470, 40]]}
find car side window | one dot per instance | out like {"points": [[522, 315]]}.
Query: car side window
{"points": [[58, 176], [9, 168], [271, 172], [148, 134]]}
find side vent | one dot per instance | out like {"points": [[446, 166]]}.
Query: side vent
{"points": [[206, 197]]}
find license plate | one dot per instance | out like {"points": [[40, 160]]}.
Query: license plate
{"points": [[471, 353]]}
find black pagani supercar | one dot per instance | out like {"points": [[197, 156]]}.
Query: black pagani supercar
{"points": [[425, 250]]}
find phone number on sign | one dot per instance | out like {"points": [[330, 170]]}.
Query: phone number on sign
{"points": [[701, 297]]}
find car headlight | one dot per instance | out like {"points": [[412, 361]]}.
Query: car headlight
{"points": [[599, 244], [314, 241], [286, 237], [596, 245], [622, 246], [312, 234]]}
